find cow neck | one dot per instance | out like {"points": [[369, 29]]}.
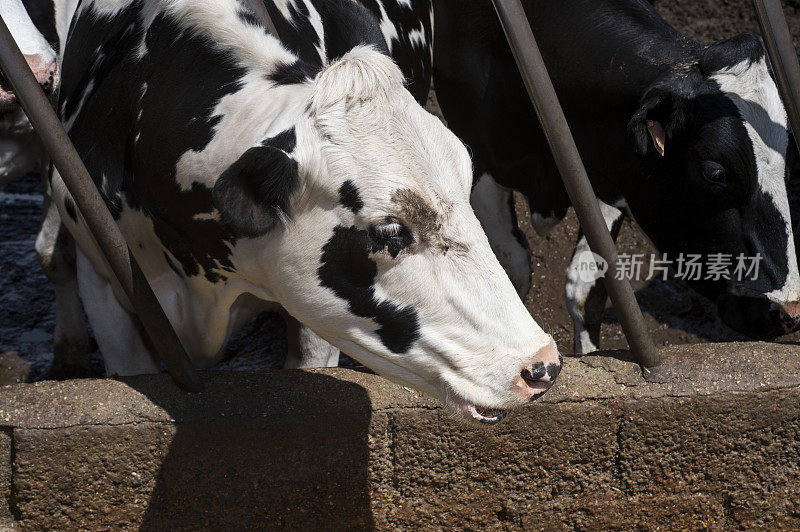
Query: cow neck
{"points": [[638, 44]]}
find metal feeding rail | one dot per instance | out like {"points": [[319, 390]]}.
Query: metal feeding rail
{"points": [[162, 337], [783, 56], [573, 174], [540, 89]]}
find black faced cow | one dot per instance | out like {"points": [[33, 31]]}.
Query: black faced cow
{"points": [[688, 141], [247, 173]]}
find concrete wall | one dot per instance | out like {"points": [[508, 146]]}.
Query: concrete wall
{"points": [[711, 439]]}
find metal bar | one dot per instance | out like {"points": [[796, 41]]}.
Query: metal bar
{"points": [[260, 10], [783, 56], [109, 239], [554, 123]]}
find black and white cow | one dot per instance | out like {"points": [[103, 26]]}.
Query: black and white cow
{"points": [[20, 150], [688, 141], [33, 26], [245, 174]]}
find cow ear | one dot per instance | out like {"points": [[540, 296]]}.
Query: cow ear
{"points": [[658, 135], [662, 114], [252, 195], [731, 52]]}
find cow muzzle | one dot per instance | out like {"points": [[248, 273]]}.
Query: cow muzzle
{"points": [[790, 316], [531, 382], [45, 71], [537, 378], [758, 317]]}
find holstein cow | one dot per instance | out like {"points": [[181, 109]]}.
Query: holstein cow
{"points": [[688, 141], [33, 25], [245, 174]]}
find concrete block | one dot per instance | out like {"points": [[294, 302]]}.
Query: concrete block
{"points": [[710, 439], [6, 475]]}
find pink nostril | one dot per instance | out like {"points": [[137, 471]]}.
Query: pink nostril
{"points": [[791, 309], [47, 79], [44, 71], [537, 378], [534, 374], [789, 316]]}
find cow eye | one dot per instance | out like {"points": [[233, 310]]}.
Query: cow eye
{"points": [[714, 174], [391, 235]]}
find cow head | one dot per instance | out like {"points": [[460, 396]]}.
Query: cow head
{"points": [[713, 134], [361, 220], [37, 51]]}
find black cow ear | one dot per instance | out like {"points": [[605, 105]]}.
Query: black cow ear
{"points": [[252, 195], [729, 52], [662, 114]]}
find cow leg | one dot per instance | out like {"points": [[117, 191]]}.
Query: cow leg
{"points": [[586, 300], [72, 345], [494, 207], [116, 330], [307, 350]]}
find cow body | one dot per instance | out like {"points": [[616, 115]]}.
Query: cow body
{"points": [[690, 142], [247, 173]]}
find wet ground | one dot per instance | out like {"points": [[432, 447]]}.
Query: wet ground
{"points": [[674, 313]]}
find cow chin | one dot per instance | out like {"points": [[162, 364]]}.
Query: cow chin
{"points": [[757, 318], [471, 400], [465, 399]]}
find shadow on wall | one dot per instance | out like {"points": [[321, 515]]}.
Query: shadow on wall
{"points": [[274, 452]]}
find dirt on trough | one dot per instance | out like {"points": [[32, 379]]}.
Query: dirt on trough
{"points": [[674, 313]]}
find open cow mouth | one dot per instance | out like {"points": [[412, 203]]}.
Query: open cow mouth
{"points": [[476, 413], [488, 416]]}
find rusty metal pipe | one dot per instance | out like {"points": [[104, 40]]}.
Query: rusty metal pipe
{"points": [[565, 152], [782, 54], [167, 346]]}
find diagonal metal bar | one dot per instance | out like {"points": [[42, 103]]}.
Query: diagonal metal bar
{"points": [[167, 346], [260, 11], [565, 152], [783, 56]]}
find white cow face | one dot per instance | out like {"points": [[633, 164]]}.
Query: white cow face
{"points": [[383, 256], [37, 51]]}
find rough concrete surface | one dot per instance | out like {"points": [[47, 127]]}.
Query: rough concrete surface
{"points": [[711, 439], [6, 518]]}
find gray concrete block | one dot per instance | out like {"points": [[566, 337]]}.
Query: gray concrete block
{"points": [[88, 477], [474, 475], [6, 475], [710, 439]]}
